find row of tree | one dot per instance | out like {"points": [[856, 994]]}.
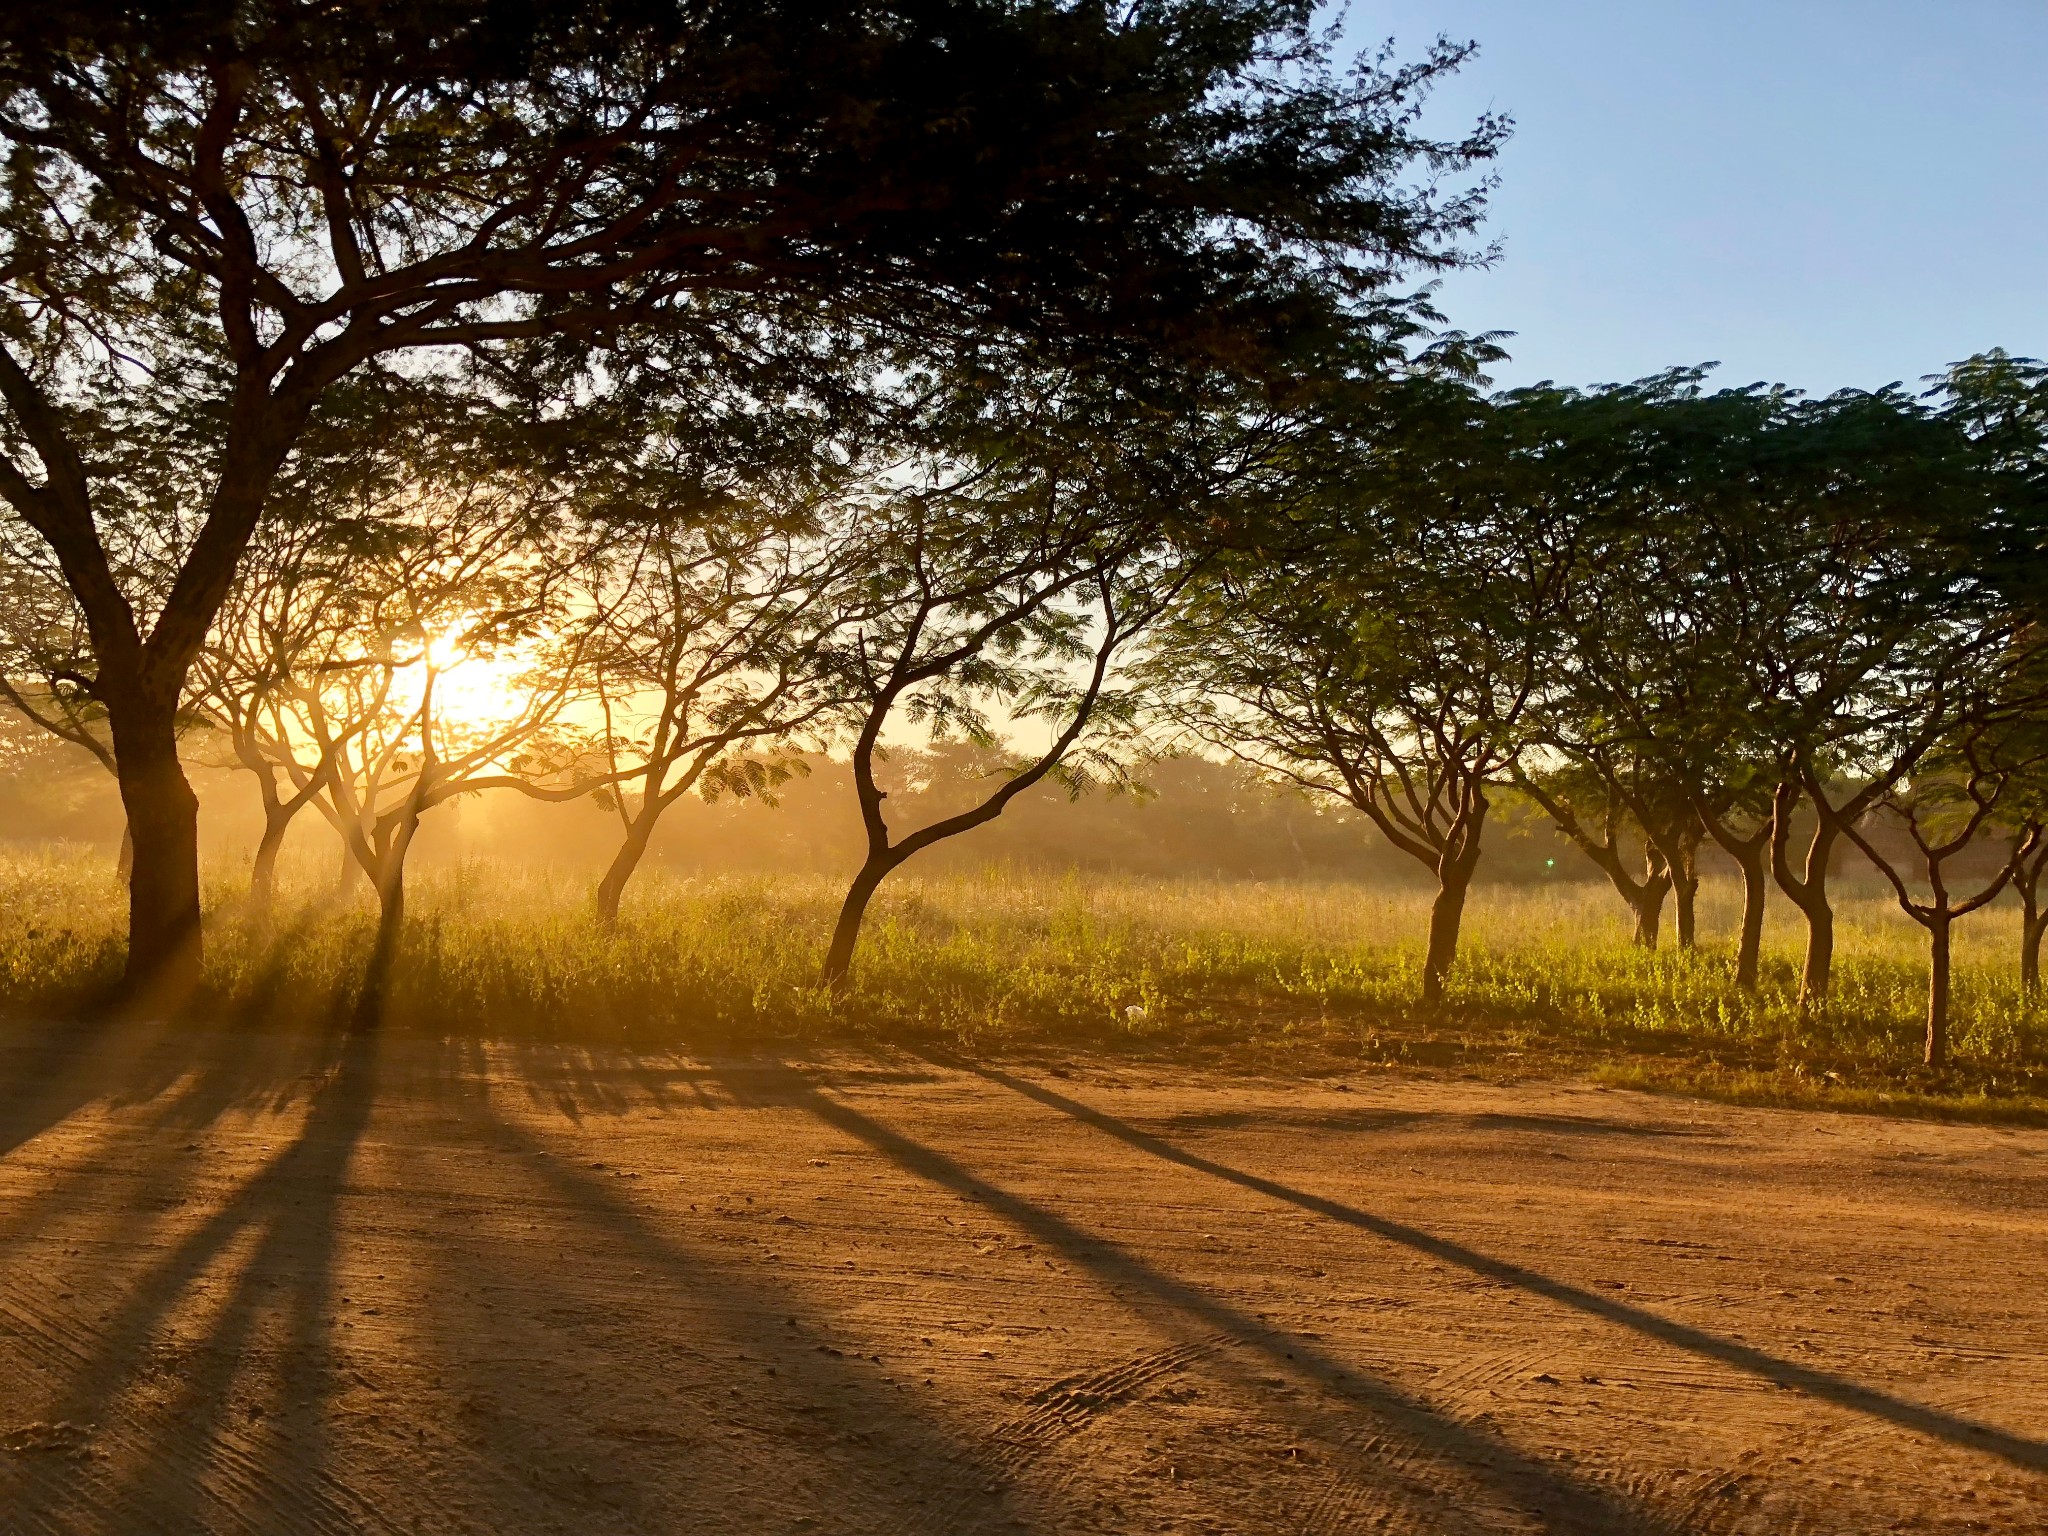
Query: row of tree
{"points": [[1671, 618], [643, 252], [621, 399]]}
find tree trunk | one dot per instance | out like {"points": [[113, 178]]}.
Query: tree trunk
{"points": [[277, 821], [350, 875], [1818, 973], [1756, 891], [1812, 899], [1647, 902], [163, 881], [1937, 992], [2033, 920], [846, 932], [124, 861], [624, 862], [1685, 888], [1446, 916], [390, 929]]}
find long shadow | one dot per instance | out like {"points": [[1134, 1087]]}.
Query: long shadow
{"points": [[162, 1473], [1566, 1502], [897, 1442], [54, 1072], [2015, 1449], [55, 1067], [194, 1074]]}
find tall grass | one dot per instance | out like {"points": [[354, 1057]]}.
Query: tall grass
{"points": [[1006, 958]]}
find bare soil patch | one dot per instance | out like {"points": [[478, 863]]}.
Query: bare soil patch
{"points": [[282, 1285]]}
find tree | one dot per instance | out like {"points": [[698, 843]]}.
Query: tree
{"points": [[1798, 617], [1390, 657], [2029, 863], [1945, 810], [1005, 573], [707, 644], [213, 215], [447, 663], [290, 628], [1887, 650], [1598, 794]]}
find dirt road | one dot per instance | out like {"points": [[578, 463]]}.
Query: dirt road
{"points": [[281, 1286]]}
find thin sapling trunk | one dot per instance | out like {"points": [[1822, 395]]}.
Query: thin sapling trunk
{"points": [[1938, 913], [1454, 882], [1752, 856]]}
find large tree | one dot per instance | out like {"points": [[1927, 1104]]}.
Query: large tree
{"points": [[213, 213]]}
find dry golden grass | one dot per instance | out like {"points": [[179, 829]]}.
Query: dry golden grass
{"points": [[1322, 974]]}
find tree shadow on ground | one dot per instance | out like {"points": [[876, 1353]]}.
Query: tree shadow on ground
{"points": [[217, 1389], [214, 1369], [1460, 1478], [2017, 1450]]}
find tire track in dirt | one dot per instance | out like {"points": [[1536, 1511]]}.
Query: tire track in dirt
{"points": [[1459, 1390], [192, 1461], [1347, 1502], [1057, 1412], [1072, 1404]]}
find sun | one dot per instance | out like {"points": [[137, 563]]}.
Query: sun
{"points": [[474, 688]]}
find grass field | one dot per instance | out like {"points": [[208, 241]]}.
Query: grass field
{"points": [[1321, 974]]}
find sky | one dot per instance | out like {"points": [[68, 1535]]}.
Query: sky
{"points": [[1824, 193]]}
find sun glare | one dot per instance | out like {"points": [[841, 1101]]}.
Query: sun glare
{"points": [[474, 689]]}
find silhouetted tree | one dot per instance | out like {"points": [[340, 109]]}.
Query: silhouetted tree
{"points": [[1005, 572], [445, 663], [707, 649]]}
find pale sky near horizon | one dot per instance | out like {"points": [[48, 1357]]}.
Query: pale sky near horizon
{"points": [[1826, 193]]}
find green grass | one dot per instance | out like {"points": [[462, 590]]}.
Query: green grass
{"points": [[1318, 976]]}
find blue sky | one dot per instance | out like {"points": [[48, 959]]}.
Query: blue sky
{"points": [[1828, 193]]}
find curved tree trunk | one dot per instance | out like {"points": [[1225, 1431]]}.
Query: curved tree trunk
{"points": [[1752, 855], [1808, 890], [624, 862], [1937, 991], [277, 821], [124, 860], [1454, 881], [1446, 916], [390, 883], [838, 969]]}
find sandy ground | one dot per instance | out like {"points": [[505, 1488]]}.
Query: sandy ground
{"points": [[281, 1286]]}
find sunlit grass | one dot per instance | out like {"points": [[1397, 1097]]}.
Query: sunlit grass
{"points": [[1547, 975]]}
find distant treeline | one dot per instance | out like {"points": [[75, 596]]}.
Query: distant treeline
{"points": [[1184, 816]]}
